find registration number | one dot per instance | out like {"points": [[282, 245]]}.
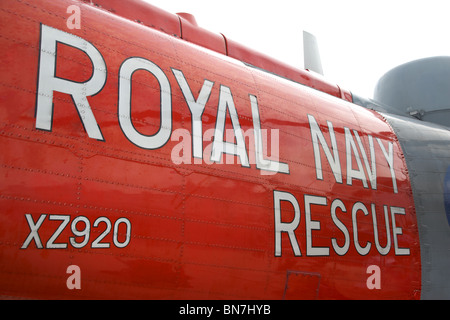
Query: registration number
{"points": [[82, 230]]}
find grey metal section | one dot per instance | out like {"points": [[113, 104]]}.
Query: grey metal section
{"points": [[311, 54], [420, 88], [426, 147], [375, 105]]}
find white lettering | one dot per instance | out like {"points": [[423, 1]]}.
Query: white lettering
{"points": [[48, 82], [351, 173], [126, 71], [359, 206], [283, 226], [50, 243], [219, 146], [116, 241], [34, 227], [337, 203], [266, 309], [398, 231], [196, 107], [261, 163], [390, 160], [243, 309], [371, 169], [120, 239], [382, 250], [313, 225], [196, 310], [85, 233], [360, 226], [317, 136]]}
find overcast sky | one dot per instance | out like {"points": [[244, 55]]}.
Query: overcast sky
{"points": [[359, 40]]}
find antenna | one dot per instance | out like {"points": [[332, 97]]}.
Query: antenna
{"points": [[311, 54]]}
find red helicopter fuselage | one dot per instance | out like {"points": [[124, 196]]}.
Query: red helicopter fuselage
{"points": [[145, 160]]}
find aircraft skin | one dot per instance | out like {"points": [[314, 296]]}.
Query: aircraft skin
{"points": [[138, 164]]}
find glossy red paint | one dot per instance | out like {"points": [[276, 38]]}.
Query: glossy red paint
{"points": [[197, 230], [178, 26]]}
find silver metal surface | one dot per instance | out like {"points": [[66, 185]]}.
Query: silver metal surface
{"points": [[311, 53]]}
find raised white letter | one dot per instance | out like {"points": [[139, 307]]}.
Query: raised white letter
{"points": [[361, 250], [371, 171], [196, 107], [261, 163], [397, 231], [34, 227], [351, 173], [390, 160], [313, 225], [48, 82], [317, 137], [126, 71], [382, 250], [337, 203], [219, 146], [290, 227]]}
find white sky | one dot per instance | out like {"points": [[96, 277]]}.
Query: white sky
{"points": [[359, 40]]}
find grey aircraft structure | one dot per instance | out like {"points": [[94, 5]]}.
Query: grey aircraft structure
{"points": [[414, 98]]}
